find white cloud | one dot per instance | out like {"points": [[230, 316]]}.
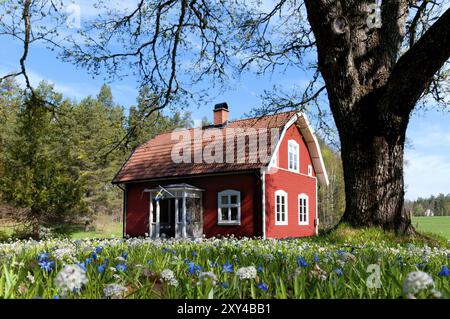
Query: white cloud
{"points": [[74, 91], [430, 135], [426, 174]]}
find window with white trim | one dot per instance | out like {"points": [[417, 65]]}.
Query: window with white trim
{"points": [[303, 209], [293, 156], [281, 209], [229, 207]]}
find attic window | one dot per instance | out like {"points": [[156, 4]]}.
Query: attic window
{"points": [[293, 155], [229, 207], [310, 170]]}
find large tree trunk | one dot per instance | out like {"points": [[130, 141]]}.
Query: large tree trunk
{"points": [[373, 170], [372, 88]]}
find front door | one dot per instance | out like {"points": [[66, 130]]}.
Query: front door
{"points": [[167, 218]]}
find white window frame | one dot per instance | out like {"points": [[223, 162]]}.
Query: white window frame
{"points": [[295, 167], [220, 205], [303, 210], [281, 193], [310, 170]]}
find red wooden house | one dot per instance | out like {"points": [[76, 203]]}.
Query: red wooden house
{"points": [[230, 191]]}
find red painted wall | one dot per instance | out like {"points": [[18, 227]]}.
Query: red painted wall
{"points": [[293, 184], [249, 184]]}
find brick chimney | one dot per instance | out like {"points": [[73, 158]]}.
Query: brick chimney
{"points": [[220, 114]]}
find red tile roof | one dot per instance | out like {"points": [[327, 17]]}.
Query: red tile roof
{"points": [[153, 159]]}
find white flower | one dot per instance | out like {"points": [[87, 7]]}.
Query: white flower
{"points": [[416, 282], [246, 272], [208, 276], [114, 291], [71, 279], [30, 277], [346, 256], [168, 276], [268, 257]]}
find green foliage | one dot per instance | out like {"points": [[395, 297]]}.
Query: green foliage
{"points": [[58, 157], [38, 170], [148, 125], [331, 198]]}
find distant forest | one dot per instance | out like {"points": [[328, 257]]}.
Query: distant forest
{"points": [[438, 205]]}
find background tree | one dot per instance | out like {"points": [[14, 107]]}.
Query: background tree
{"points": [[331, 198], [144, 126], [97, 124], [38, 173]]}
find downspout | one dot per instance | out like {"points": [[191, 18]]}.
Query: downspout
{"points": [[263, 200], [317, 208], [124, 209]]}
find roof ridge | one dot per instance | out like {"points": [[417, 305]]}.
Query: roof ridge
{"points": [[234, 121], [262, 116]]}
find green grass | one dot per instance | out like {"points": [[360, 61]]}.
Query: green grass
{"points": [[104, 229], [439, 225], [114, 230]]}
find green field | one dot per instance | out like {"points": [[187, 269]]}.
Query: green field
{"points": [[104, 228], [439, 225]]}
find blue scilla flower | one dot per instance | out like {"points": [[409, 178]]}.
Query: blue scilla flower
{"points": [[101, 268], [164, 250], [262, 286], [98, 249], [445, 272], [149, 262], [194, 254], [259, 269], [107, 261], [46, 265], [43, 256], [186, 261], [338, 271], [83, 266], [224, 285], [193, 268], [88, 261], [94, 255], [316, 258], [121, 267], [174, 252], [213, 264], [125, 254], [56, 297], [301, 262], [227, 268]]}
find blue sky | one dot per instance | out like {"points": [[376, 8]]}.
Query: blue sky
{"points": [[427, 169]]}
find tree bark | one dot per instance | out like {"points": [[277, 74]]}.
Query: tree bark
{"points": [[374, 186], [35, 224]]}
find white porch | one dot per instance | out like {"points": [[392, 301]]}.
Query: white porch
{"points": [[178, 213]]}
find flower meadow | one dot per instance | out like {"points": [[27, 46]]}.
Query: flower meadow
{"points": [[221, 268]]}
